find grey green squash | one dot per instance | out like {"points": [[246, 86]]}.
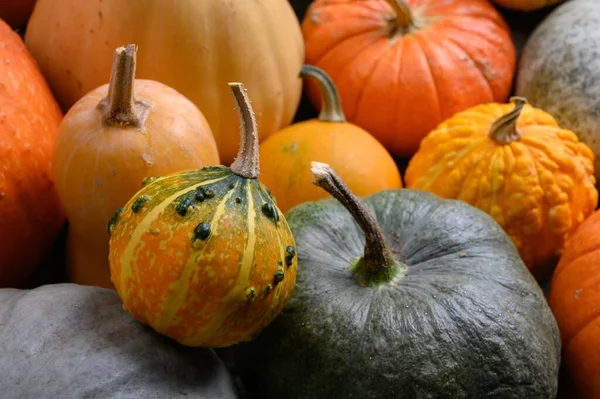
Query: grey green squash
{"points": [[559, 70], [433, 301], [71, 341]]}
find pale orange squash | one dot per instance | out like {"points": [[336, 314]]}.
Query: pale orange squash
{"points": [[362, 161], [518, 165], [196, 47], [108, 143]]}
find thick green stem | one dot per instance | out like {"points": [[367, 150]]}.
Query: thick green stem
{"points": [[504, 130], [331, 105], [246, 164], [377, 265], [404, 18], [120, 107]]}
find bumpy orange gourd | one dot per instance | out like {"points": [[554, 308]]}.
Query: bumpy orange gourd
{"points": [[574, 298], [108, 143], [515, 163], [364, 164], [205, 256], [193, 46], [403, 66], [526, 5], [30, 211]]}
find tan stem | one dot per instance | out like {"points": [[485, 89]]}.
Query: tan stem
{"points": [[246, 164], [331, 105], [504, 130], [120, 107], [404, 17], [377, 255]]}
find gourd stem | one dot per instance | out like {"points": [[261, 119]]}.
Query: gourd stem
{"points": [[246, 164], [504, 130], [377, 255], [404, 17], [331, 107], [120, 107]]}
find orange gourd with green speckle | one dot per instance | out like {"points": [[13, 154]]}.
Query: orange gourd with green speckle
{"points": [[515, 163], [205, 256]]}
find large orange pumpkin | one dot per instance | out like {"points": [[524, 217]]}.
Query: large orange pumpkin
{"points": [[575, 301], [515, 163], [30, 211], [194, 46], [403, 66], [360, 159], [108, 143]]}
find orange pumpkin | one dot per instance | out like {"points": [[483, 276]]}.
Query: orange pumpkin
{"points": [[358, 157], [515, 163], [526, 5], [403, 66], [108, 143], [196, 47], [16, 12], [205, 256], [30, 210], [575, 301]]}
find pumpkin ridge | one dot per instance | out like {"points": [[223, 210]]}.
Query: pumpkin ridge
{"points": [[583, 327], [174, 302], [419, 39], [128, 253]]}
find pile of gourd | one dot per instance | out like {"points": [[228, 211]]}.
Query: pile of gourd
{"points": [[387, 237]]}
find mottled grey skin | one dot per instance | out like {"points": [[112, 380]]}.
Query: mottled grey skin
{"points": [[559, 70], [69, 341], [467, 320]]}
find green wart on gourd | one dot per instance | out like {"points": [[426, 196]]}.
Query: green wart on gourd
{"points": [[139, 203], [113, 220]]}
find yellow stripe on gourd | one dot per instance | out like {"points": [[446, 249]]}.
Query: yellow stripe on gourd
{"points": [[127, 259], [180, 287], [235, 296]]}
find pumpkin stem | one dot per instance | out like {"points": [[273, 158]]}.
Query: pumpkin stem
{"points": [[377, 266], [120, 107], [504, 130], [404, 18], [246, 164], [331, 108]]}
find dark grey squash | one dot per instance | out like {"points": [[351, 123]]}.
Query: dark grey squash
{"points": [[70, 341], [559, 70], [453, 312]]}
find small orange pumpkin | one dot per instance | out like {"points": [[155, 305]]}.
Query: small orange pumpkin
{"points": [[403, 66], [108, 142], [515, 163], [575, 301], [361, 160], [30, 210]]}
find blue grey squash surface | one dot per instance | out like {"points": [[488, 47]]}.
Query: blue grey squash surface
{"points": [[559, 70], [69, 341], [463, 319]]}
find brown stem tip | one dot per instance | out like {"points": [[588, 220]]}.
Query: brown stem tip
{"points": [[246, 164], [504, 130], [331, 107]]}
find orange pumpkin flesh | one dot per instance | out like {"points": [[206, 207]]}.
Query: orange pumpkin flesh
{"points": [[575, 301], [364, 164], [402, 67], [30, 211], [108, 143], [515, 163], [205, 256]]}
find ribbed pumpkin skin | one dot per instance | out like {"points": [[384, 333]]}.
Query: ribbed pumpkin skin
{"points": [[526, 5], [196, 47], [539, 188], [203, 292], [399, 87], [574, 297], [30, 210]]}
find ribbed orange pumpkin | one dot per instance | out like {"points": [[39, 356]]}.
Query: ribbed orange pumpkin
{"points": [[205, 256], [358, 157], [108, 143], [574, 299], [403, 66], [515, 163], [30, 210]]}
